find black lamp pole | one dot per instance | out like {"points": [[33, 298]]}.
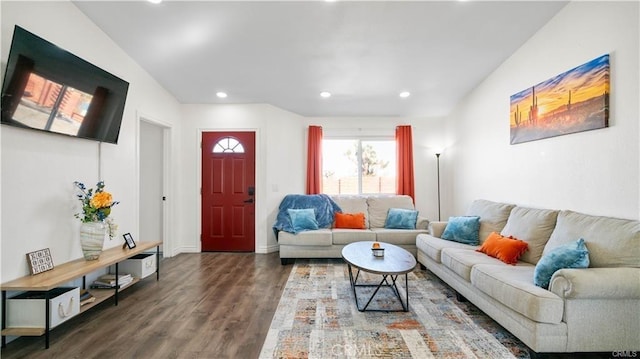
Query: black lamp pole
{"points": [[438, 161]]}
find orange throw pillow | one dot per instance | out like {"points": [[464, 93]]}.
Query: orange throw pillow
{"points": [[506, 249], [349, 220]]}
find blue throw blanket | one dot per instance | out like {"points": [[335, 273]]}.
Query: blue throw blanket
{"points": [[323, 205]]}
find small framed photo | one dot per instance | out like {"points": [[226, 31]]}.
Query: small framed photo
{"points": [[128, 241], [40, 261]]}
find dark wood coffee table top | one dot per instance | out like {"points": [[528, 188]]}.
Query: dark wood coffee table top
{"points": [[396, 260]]}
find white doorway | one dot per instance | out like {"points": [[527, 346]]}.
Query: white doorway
{"points": [[153, 182]]}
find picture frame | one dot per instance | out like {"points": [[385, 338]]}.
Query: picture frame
{"points": [[128, 241], [40, 261]]}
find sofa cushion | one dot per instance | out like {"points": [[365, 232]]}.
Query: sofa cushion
{"points": [[462, 260], [353, 204], [433, 246], [397, 236], [569, 255], [320, 237], [612, 242], [346, 236], [462, 229], [513, 287], [379, 207], [493, 216], [506, 249], [533, 226], [400, 218], [350, 220], [303, 219]]}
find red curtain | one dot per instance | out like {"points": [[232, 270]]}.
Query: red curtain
{"points": [[404, 158], [314, 160]]}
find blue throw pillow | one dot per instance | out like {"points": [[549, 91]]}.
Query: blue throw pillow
{"points": [[303, 219], [570, 255], [399, 218], [463, 229]]}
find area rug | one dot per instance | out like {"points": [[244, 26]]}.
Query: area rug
{"points": [[317, 318]]}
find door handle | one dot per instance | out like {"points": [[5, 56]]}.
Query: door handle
{"points": [[250, 200]]}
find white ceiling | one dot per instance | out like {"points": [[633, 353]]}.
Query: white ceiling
{"points": [[286, 53]]}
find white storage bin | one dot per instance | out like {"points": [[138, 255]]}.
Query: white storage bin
{"points": [[27, 310], [140, 265]]}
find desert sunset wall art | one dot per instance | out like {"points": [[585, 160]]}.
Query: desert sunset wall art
{"points": [[574, 101]]}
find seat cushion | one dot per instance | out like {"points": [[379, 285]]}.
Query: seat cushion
{"points": [[433, 246], [397, 236], [533, 226], [612, 242], [513, 287], [346, 236], [320, 237], [462, 260]]}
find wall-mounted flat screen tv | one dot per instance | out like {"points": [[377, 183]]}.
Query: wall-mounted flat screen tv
{"points": [[49, 89]]}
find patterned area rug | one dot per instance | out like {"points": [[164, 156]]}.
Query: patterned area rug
{"points": [[317, 318]]}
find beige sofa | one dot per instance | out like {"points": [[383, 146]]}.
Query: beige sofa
{"points": [[595, 309], [328, 242]]}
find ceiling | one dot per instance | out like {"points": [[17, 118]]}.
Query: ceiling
{"points": [[286, 53]]}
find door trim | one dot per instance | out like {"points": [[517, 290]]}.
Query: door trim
{"points": [[259, 186], [168, 247]]}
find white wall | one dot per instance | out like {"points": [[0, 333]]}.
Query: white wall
{"points": [[38, 169], [594, 172], [280, 163]]}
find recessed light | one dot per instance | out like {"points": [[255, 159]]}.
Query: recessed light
{"points": [[325, 94], [405, 94], [221, 94]]}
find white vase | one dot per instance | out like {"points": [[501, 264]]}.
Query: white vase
{"points": [[92, 239]]}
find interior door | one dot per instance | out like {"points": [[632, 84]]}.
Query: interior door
{"points": [[228, 191]]}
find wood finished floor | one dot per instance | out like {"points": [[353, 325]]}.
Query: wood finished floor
{"points": [[209, 305]]}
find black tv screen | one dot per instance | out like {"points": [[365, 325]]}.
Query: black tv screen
{"points": [[49, 89]]}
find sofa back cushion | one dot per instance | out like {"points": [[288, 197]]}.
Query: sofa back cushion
{"points": [[353, 204], [612, 242], [379, 206], [533, 226], [493, 216]]}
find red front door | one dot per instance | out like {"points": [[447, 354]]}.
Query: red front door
{"points": [[228, 191]]}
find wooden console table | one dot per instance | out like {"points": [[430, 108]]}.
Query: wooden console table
{"points": [[44, 282]]}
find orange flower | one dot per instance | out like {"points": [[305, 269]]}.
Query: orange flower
{"points": [[101, 200]]}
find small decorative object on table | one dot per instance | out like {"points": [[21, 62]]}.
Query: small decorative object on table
{"points": [[40, 261], [128, 241], [96, 207], [377, 250]]}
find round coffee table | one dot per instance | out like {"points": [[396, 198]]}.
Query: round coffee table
{"points": [[395, 262]]}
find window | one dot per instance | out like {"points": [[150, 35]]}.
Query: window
{"points": [[228, 145], [358, 166]]}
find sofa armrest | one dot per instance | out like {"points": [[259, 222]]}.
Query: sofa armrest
{"points": [[422, 223], [436, 228], [600, 283]]}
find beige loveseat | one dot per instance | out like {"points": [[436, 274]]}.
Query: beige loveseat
{"points": [[328, 242], [595, 309]]}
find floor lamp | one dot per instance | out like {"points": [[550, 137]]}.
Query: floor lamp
{"points": [[438, 162]]}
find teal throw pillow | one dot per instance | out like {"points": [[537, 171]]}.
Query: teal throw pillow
{"points": [[400, 218], [570, 255], [303, 219], [463, 229]]}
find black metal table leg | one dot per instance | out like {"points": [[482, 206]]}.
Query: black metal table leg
{"points": [[4, 316], [116, 294], [47, 320], [157, 263]]}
